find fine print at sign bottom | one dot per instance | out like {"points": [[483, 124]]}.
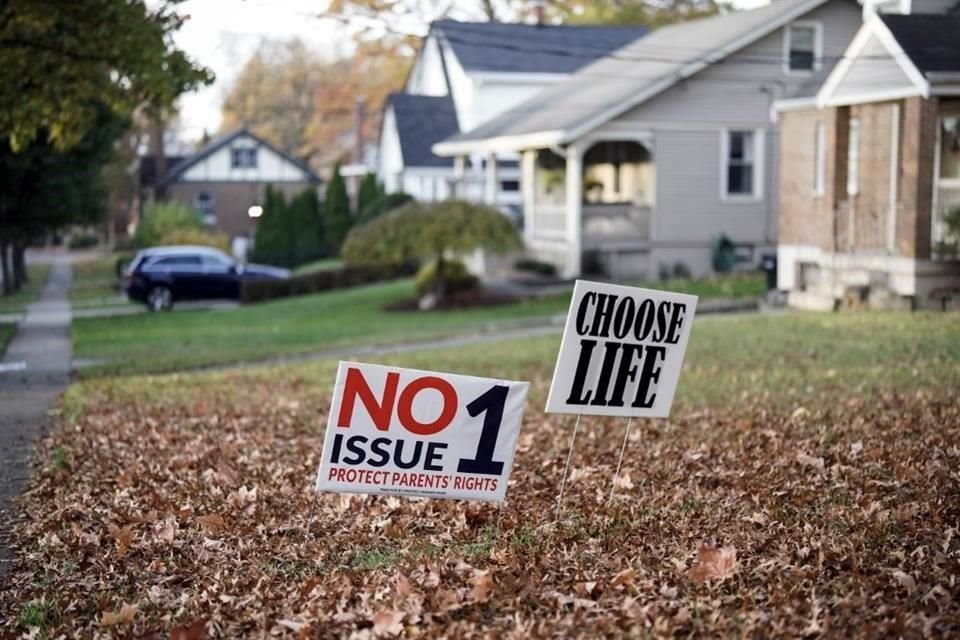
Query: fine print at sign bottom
{"points": [[397, 431]]}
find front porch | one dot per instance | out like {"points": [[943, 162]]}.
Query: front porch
{"points": [[588, 206]]}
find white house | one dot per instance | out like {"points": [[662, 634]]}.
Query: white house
{"points": [[642, 160], [466, 74]]}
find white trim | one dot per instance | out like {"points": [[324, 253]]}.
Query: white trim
{"points": [[899, 55], [538, 140], [507, 77], [894, 177], [795, 104], [819, 158], [817, 27], [759, 147], [882, 95], [872, 27], [853, 50], [853, 167]]}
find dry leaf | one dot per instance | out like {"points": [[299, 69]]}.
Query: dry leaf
{"points": [[123, 537], [196, 630], [811, 461], [713, 563], [125, 615], [906, 581], [212, 524], [387, 623], [482, 582], [166, 531]]}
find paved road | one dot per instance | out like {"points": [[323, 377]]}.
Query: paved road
{"points": [[34, 370]]}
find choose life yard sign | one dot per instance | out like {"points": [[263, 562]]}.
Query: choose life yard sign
{"points": [[621, 352], [397, 431]]}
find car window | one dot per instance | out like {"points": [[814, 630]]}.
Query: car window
{"points": [[176, 262], [215, 262]]}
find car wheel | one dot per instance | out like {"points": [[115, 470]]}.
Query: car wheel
{"points": [[160, 299]]}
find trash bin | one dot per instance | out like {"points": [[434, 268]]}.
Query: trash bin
{"points": [[768, 264]]}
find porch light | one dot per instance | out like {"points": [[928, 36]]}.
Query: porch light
{"points": [[255, 211]]}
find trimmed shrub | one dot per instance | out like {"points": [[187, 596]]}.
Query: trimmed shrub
{"points": [[82, 241], [161, 218], [455, 275], [336, 211], [535, 266], [385, 203], [317, 281]]}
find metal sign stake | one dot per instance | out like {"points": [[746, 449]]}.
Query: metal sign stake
{"points": [[566, 469], [616, 474]]}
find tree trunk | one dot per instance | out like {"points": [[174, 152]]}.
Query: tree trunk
{"points": [[16, 255], [5, 267], [157, 150], [441, 287], [20, 260]]}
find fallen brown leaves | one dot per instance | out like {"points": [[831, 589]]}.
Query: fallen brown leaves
{"points": [[198, 520]]}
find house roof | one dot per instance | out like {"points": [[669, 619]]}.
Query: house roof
{"points": [[529, 48], [628, 77], [148, 168], [218, 143], [421, 122], [932, 42]]}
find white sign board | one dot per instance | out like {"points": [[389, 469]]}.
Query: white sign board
{"points": [[406, 432], [621, 352]]}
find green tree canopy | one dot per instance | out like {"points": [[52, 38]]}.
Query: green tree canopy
{"points": [[430, 232], [60, 59], [336, 210], [370, 191]]}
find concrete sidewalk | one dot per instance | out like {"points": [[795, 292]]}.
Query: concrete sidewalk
{"points": [[33, 372]]}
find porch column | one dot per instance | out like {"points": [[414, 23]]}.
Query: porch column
{"points": [[528, 168], [459, 165], [574, 210], [490, 184]]}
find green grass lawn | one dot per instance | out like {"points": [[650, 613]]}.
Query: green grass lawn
{"points": [[780, 360], [7, 329], [95, 283], [327, 264], [29, 292], [172, 341]]}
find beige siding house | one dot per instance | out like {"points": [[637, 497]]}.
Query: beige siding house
{"points": [[640, 161], [871, 169]]}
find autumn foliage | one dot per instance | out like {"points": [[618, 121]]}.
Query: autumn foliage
{"points": [[191, 510]]}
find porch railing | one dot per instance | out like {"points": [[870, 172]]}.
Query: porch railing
{"points": [[948, 200], [612, 223]]}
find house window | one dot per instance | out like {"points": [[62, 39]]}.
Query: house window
{"points": [[203, 203], [510, 185], [819, 159], [853, 158], [802, 47], [742, 152], [243, 158]]}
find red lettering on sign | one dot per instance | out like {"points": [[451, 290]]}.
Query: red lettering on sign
{"points": [[405, 407], [356, 385]]}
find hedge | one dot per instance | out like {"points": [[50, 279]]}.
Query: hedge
{"points": [[263, 290]]}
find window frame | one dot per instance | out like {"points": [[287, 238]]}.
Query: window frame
{"points": [[759, 148], [853, 159], [248, 155], [819, 159], [817, 47]]}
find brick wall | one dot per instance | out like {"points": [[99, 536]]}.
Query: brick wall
{"points": [[231, 200], [805, 217], [859, 222]]}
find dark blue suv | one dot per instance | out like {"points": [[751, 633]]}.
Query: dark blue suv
{"points": [[161, 276]]}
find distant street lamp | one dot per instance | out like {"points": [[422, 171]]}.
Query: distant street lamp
{"points": [[255, 211]]}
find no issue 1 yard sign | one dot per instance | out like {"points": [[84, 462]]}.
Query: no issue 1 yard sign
{"points": [[400, 431], [621, 352]]}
